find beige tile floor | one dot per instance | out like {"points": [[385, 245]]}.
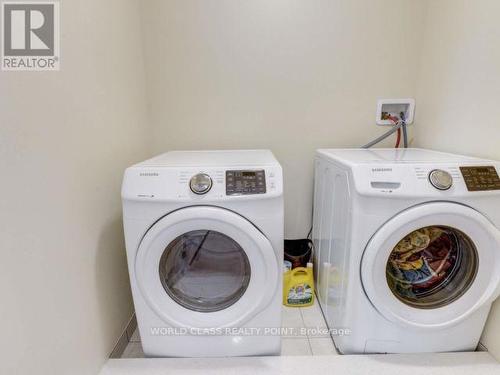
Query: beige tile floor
{"points": [[293, 317]]}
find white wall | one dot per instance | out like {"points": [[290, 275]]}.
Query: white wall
{"points": [[289, 75], [459, 91], [65, 139]]}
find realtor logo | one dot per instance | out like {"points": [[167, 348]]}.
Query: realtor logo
{"points": [[30, 35]]}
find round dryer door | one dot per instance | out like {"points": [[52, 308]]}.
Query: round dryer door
{"points": [[202, 267], [432, 265]]}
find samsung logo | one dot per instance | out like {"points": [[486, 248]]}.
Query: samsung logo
{"points": [[148, 174], [381, 169]]}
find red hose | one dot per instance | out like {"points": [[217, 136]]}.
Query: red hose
{"points": [[395, 121], [398, 139]]}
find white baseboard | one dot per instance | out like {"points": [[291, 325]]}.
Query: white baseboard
{"points": [[124, 338]]}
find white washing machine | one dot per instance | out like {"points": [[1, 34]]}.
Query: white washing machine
{"points": [[204, 239], [407, 247]]}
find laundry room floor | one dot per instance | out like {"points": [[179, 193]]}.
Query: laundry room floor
{"points": [[302, 354], [295, 318]]}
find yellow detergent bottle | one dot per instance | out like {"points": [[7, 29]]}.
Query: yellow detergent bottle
{"points": [[298, 286]]}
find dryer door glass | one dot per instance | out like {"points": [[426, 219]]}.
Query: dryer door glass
{"points": [[204, 270], [432, 267]]}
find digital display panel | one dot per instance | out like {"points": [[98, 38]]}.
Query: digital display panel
{"points": [[481, 178], [244, 182]]}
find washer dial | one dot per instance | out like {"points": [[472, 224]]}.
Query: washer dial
{"points": [[440, 179]]}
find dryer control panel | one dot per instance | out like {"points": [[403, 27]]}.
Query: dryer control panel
{"points": [[245, 182], [209, 184]]}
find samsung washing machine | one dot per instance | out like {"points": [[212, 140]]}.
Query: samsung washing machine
{"points": [[204, 239], [407, 247]]}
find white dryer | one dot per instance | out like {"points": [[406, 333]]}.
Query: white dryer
{"points": [[408, 248], [204, 239]]}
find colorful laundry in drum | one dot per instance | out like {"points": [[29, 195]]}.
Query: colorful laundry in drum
{"points": [[423, 262]]}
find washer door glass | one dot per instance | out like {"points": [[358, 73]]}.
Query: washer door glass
{"points": [[432, 267], [204, 270]]}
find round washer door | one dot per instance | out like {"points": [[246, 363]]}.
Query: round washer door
{"points": [[206, 267], [432, 265]]}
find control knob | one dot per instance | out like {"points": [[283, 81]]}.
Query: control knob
{"points": [[200, 183], [440, 179]]}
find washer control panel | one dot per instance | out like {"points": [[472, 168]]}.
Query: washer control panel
{"points": [[429, 180], [481, 178], [245, 182]]}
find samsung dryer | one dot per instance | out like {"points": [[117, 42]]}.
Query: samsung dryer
{"points": [[407, 248], [204, 240]]}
